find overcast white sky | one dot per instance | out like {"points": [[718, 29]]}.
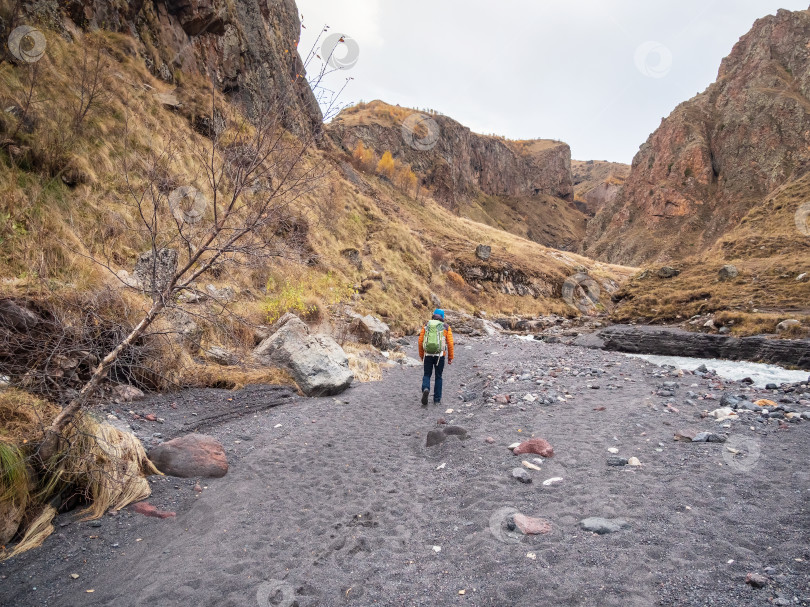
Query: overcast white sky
{"points": [[598, 74]]}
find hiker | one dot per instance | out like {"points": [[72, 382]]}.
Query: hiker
{"points": [[435, 339]]}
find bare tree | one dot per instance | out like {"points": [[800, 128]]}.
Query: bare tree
{"points": [[257, 176]]}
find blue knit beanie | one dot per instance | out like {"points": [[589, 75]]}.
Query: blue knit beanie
{"points": [[438, 312]]}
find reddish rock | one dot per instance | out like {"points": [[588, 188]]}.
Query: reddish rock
{"points": [[191, 455], [686, 436], [538, 446], [502, 398], [532, 526], [151, 417], [489, 440], [148, 509], [755, 580]]}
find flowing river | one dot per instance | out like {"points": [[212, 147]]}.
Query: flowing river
{"points": [[762, 374]]}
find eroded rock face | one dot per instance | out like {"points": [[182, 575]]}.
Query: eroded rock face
{"points": [[718, 154], [463, 163], [246, 47]]}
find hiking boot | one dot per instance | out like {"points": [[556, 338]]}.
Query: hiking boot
{"points": [[425, 397]]}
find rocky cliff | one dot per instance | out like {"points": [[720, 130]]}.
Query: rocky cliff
{"points": [[246, 47], [719, 154], [455, 162], [597, 183], [522, 187]]}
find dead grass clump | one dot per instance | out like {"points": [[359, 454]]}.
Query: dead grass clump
{"points": [[362, 363], [455, 279], [23, 416], [235, 378]]}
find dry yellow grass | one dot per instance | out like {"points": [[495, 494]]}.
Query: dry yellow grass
{"points": [[768, 250]]}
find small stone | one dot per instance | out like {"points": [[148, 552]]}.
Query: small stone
{"points": [[532, 526], [538, 446], [437, 549], [489, 440], [435, 437], [197, 488], [708, 437], [685, 436], [530, 465], [513, 446], [151, 417], [531, 555], [148, 509], [521, 475], [75, 576], [603, 525], [552, 481], [633, 461], [613, 450], [615, 460], [722, 412], [755, 580]]}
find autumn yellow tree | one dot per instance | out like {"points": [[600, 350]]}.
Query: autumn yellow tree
{"points": [[365, 157], [386, 167], [405, 178]]}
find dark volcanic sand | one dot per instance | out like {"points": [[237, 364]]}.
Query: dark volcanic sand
{"points": [[343, 504]]}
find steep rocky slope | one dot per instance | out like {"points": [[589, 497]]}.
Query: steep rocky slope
{"points": [[247, 48], [769, 283], [523, 187], [367, 243], [719, 154]]}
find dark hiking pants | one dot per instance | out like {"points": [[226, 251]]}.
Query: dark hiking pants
{"points": [[432, 362]]}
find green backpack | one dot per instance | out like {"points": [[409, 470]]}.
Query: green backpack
{"points": [[433, 343]]}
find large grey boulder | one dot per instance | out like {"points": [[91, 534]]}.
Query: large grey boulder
{"points": [[316, 362], [727, 272], [371, 330], [483, 252]]}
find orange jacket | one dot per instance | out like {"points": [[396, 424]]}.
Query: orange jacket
{"points": [[448, 339]]}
